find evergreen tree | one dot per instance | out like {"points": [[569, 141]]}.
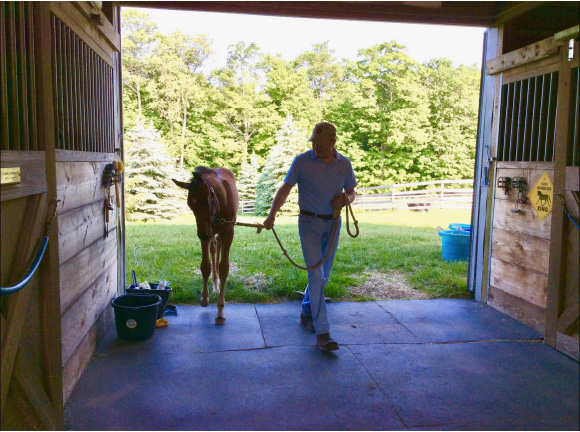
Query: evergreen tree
{"points": [[248, 178], [290, 143], [150, 194]]}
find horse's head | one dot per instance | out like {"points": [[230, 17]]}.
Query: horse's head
{"points": [[202, 201]]}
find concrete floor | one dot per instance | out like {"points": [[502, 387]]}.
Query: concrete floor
{"points": [[402, 365]]}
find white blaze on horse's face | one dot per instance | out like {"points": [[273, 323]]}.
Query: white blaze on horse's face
{"points": [[199, 202]]}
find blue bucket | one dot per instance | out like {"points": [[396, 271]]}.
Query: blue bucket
{"points": [[460, 227], [455, 246]]}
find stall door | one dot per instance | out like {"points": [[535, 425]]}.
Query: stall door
{"points": [[31, 369], [533, 244], [60, 128]]}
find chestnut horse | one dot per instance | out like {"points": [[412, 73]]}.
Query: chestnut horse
{"points": [[213, 197]]}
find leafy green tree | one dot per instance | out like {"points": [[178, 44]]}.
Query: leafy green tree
{"points": [[324, 72], [395, 118], [139, 38], [397, 121], [177, 84], [150, 194], [453, 99], [289, 93], [242, 113], [348, 112], [290, 143]]}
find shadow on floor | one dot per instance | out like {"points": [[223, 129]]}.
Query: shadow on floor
{"points": [[402, 365]]}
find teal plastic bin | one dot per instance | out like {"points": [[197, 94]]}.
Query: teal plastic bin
{"points": [[460, 227], [455, 245]]}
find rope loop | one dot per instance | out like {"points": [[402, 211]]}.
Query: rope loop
{"points": [[336, 215]]}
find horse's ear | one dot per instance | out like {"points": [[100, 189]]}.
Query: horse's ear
{"points": [[198, 179], [181, 184]]}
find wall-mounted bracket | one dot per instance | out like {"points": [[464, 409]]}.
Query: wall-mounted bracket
{"points": [[519, 183], [505, 183]]}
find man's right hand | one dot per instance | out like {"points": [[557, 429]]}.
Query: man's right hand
{"points": [[278, 202], [269, 222]]}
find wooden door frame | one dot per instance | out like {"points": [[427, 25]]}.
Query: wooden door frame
{"points": [[50, 297], [483, 171], [558, 245]]}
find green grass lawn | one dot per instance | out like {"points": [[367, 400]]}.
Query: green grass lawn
{"points": [[401, 246]]}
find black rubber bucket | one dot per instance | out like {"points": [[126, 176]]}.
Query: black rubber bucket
{"points": [[163, 293], [136, 315]]}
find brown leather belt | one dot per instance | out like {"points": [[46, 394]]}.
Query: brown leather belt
{"points": [[314, 215]]}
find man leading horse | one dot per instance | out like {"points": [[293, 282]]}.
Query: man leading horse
{"points": [[322, 174]]}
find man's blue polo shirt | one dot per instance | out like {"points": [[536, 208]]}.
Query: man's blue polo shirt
{"points": [[319, 182]]}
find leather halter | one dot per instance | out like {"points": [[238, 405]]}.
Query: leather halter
{"points": [[214, 203]]}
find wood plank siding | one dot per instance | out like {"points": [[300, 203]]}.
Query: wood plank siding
{"points": [[85, 53], [533, 263], [520, 249]]}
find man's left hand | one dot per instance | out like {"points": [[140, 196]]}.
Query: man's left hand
{"points": [[340, 200]]}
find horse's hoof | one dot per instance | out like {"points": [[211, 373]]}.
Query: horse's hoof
{"points": [[204, 301], [220, 321]]}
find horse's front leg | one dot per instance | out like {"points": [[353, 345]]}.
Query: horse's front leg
{"points": [[205, 268], [224, 269], [214, 250]]}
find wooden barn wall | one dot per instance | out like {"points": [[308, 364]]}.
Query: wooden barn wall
{"points": [[87, 119], [88, 264], [520, 245], [520, 248]]}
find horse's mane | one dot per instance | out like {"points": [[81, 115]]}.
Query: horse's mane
{"points": [[202, 170]]}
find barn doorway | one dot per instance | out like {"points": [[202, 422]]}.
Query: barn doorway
{"points": [[314, 73]]}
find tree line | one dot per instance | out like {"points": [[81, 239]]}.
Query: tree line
{"points": [[398, 121]]}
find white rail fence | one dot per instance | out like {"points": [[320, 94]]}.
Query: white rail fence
{"points": [[438, 194], [247, 206]]}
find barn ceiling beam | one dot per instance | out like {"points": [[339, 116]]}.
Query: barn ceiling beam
{"points": [[483, 14]]}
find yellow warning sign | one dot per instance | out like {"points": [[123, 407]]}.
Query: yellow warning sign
{"points": [[541, 196]]}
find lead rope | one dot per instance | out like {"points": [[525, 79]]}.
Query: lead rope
{"points": [[335, 217]]}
